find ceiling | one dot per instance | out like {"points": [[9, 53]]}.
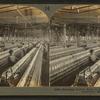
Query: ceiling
{"points": [[11, 13], [77, 14], [21, 14]]}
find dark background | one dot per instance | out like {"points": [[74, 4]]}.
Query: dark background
{"points": [[49, 2], [49, 98]]}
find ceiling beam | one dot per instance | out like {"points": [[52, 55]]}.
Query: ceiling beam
{"points": [[90, 10], [19, 12], [76, 20], [80, 11], [13, 9], [78, 7], [5, 7]]}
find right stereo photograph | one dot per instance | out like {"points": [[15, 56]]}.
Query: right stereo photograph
{"points": [[74, 48]]}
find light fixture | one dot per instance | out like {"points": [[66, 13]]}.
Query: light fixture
{"points": [[78, 10], [72, 7]]}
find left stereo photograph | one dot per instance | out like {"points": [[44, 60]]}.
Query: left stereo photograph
{"points": [[24, 46]]}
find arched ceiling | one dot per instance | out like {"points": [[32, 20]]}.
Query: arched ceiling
{"points": [[77, 14], [67, 13], [21, 14]]}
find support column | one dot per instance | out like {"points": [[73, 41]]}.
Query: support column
{"points": [[65, 35], [50, 31], [78, 39], [97, 32], [25, 34]]}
